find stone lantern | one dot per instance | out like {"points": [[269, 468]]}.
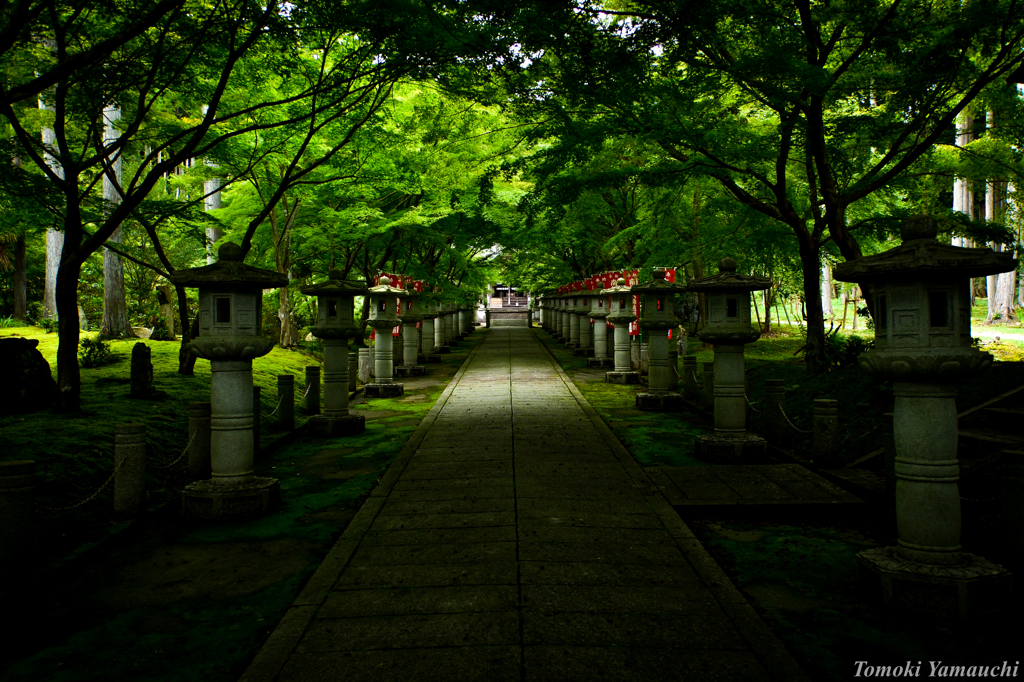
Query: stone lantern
{"points": [[600, 304], [727, 295], [230, 321], [410, 315], [922, 306], [621, 314], [428, 308], [659, 317], [384, 318], [335, 326], [585, 345]]}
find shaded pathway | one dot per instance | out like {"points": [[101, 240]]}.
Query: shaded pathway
{"points": [[515, 539]]}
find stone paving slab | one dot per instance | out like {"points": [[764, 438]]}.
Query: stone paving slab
{"points": [[758, 484], [515, 538]]}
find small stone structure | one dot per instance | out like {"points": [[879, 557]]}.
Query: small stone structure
{"points": [[25, 377], [230, 311], [410, 315], [384, 318], [129, 470], [585, 346], [729, 329], [923, 345], [142, 372], [621, 314], [658, 318], [335, 326], [600, 304]]}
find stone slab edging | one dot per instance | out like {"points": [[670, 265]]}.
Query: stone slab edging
{"points": [[274, 653], [771, 653]]}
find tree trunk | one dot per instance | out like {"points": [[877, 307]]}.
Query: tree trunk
{"points": [[826, 290], [211, 188], [767, 296], [69, 389], [815, 349], [20, 279], [54, 248], [115, 322], [189, 331]]}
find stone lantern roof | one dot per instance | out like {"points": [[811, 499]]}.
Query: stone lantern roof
{"points": [[335, 284], [727, 281], [657, 285], [230, 272], [619, 288], [384, 287], [921, 256]]}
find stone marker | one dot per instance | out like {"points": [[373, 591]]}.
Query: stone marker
{"points": [[141, 372], [410, 315], [826, 430], [230, 314], [691, 391], [658, 300], [922, 306], [199, 441], [129, 470], [621, 314], [17, 518], [25, 377], [313, 389], [384, 318], [728, 329], [335, 326]]}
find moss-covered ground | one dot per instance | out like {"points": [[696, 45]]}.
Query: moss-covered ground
{"points": [[799, 573], [169, 599]]}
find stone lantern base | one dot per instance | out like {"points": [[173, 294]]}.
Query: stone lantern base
{"points": [[391, 390], [743, 449], [442, 350], [433, 356], [323, 426], [669, 401], [582, 352], [975, 588], [410, 370], [600, 363], [209, 500], [622, 377]]}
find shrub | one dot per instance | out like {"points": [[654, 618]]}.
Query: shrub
{"points": [[160, 331], [94, 352], [48, 324]]}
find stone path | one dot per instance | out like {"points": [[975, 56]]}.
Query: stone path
{"points": [[515, 539]]}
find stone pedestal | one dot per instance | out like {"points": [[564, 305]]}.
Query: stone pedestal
{"points": [[660, 397], [208, 500], [336, 419], [383, 385], [746, 448], [410, 354], [623, 372], [429, 336], [364, 366], [574, 331], [601, 356], [730, 443]]}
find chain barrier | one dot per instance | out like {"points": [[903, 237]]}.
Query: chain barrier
{"points": [[280, 400], [750, 404], [971, 499], [697, 381], [182, 455], [91, 497], [308, 386], [797, 429]]}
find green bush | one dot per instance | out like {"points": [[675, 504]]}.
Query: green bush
{"points": [[94, 352], [48, 324], [160, 331]]}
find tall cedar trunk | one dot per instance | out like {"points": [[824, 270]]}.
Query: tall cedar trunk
{"points": [[211, 189], [20, 279], [815, 350], [189, 331], [767, 296], [115, 322], [54, 248], [69, 389], [826, 290]]}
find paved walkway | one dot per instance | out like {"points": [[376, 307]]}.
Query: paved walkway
{"points": [[515, 539]]}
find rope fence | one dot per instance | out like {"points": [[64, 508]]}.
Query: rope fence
{"points": [[91, 497], [180, 457], [790, 421]]}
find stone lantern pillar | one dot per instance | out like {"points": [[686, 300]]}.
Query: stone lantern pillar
{"points": [[384, 318], [922, 308], [440, 344], [428, 308], [582, 311], [600, 303], [449, 325], [410, 315], [572, 335], [621, 314], [659, 317], [566, 329], [728, 329], [556, 316], [335, 326], [230, 320]]}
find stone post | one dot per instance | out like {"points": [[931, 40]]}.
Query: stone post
{"points": [[286, 402], [364, 366], [17, 517], [645, 356], [574, 326], [449, 327], [826, 430], [336, 419], [690, 389], [774, 404], [130, 470], [199, 441], [257, 419], [313, 389], [439, 338], [709, 384]]}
